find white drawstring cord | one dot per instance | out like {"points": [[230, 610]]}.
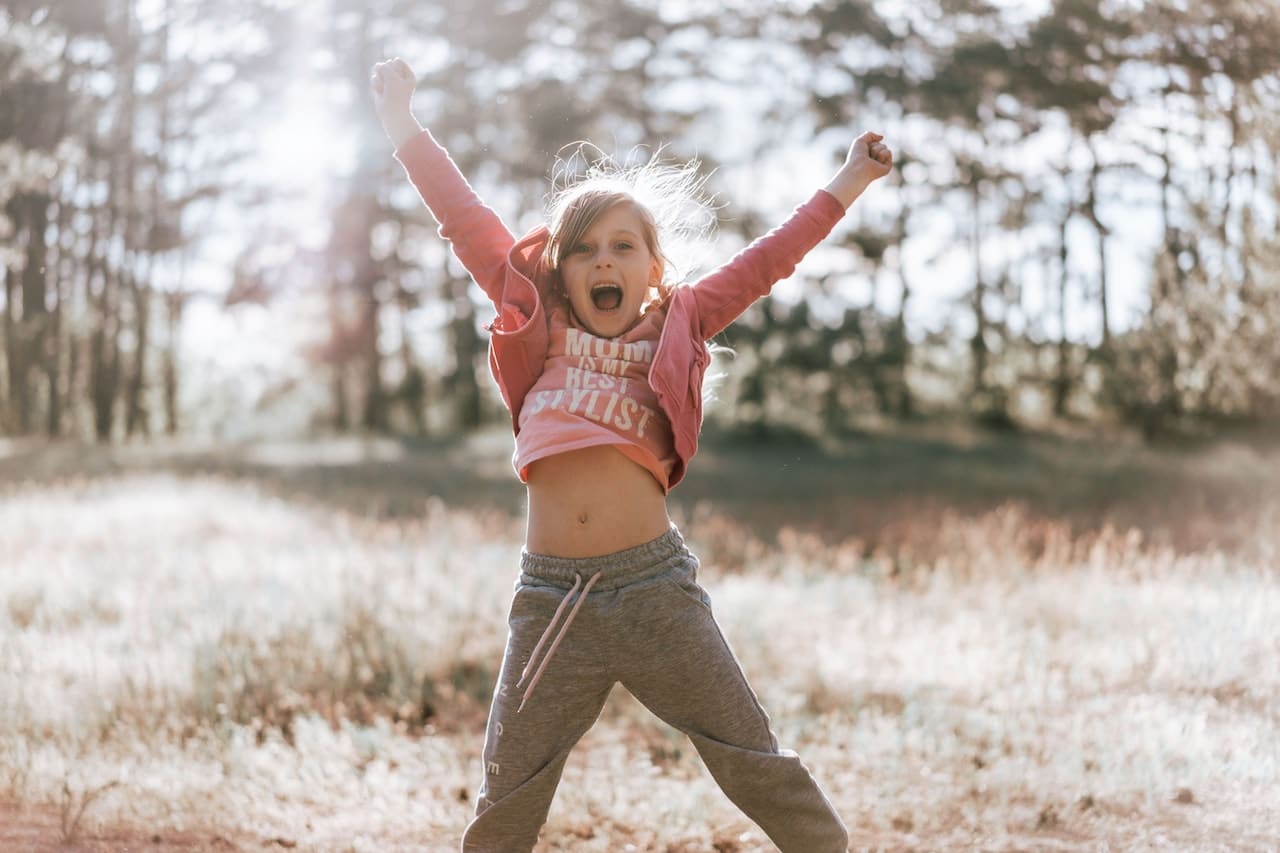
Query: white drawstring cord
{"points": [[577, 581]]}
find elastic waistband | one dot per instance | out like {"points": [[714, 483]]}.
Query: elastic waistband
{"points": [[652, 558]]}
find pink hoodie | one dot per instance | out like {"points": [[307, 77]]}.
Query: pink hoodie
{"points": [[512, 275]]}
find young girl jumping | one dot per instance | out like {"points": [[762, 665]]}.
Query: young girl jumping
{"points": [[600, 360]]}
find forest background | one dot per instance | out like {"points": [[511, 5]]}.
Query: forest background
{"points": [[204, 230]]}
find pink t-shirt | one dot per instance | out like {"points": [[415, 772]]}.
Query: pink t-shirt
{"points": [[596, 391]]}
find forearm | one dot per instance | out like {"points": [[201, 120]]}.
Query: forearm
{"points": [[725, 293], [847, 186], [401, 128], [478, 236]]}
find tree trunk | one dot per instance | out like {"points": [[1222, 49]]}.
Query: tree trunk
{"points": [[167, 222], [375, 410], [1062, 381], [33, 326], [136, 415], [341, 418], [900, 342], [60, 275], [978, 344], [173, 302], [466, 346], [1168, 404], [61, 270], [1233, 121], [104, 339], [1091, 208], [9, 420], [412, 390], [133, 282], [104, 356]]}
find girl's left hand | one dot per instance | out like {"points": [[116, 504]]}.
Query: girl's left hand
{"points": [[868, 159]]}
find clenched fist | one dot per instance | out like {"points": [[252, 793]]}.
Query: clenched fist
{"points": [[392, 83]]}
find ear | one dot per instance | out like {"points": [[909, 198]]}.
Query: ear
{"points": [[656, 269]]}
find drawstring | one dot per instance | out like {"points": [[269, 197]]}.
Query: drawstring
{"points": [[577, 581]]}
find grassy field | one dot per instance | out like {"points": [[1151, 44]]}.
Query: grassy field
{"points": [[1002, 643]]}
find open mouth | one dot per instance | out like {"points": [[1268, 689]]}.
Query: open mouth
{"points": [[606, 297]]}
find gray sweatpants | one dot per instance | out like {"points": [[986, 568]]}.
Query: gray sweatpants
{"points": [[643, 621]]}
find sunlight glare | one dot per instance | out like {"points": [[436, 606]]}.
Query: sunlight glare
{"points": [[302, 146]]}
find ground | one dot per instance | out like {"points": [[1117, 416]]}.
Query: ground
{"points": [[1008, 642]]}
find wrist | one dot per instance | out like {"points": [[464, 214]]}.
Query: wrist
{"points": [[400, 129], [846, 187]]}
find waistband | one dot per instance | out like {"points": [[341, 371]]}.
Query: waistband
{"points": [[649, 559]]}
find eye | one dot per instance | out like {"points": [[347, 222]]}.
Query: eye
{"points": [[622, 246], [580, 249]]}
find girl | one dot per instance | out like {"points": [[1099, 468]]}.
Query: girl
{"points": [[600, 362]]}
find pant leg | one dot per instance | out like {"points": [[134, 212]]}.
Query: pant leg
{"points": [[679, 665], [525, 752]]}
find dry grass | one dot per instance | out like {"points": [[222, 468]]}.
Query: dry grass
{"points": [[188, 648]]}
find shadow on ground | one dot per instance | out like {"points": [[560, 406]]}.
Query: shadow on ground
{"points": [[1185, 497]]}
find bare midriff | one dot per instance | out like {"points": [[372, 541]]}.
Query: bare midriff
{"points": [[591, 502]]}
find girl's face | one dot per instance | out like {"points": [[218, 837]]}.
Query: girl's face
{"points": [[608, 272]]}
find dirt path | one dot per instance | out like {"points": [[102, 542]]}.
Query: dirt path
{"points": [[38, 829]]}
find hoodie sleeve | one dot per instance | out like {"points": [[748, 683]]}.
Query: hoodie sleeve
{"points": [[722, 295], [477, 234]]}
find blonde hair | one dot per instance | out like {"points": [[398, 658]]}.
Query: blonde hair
{"points": [[670, 199]]}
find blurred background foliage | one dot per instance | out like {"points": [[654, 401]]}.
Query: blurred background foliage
{"points": [[137, 215]]}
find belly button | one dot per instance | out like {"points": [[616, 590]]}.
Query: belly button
{"points": [[582, 518]]}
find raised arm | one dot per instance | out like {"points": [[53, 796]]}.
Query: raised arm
{"points": [[478, 236], [725, 293]]}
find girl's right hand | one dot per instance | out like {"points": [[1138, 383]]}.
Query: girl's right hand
{"points": [[868, 160], [392, 83]]}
